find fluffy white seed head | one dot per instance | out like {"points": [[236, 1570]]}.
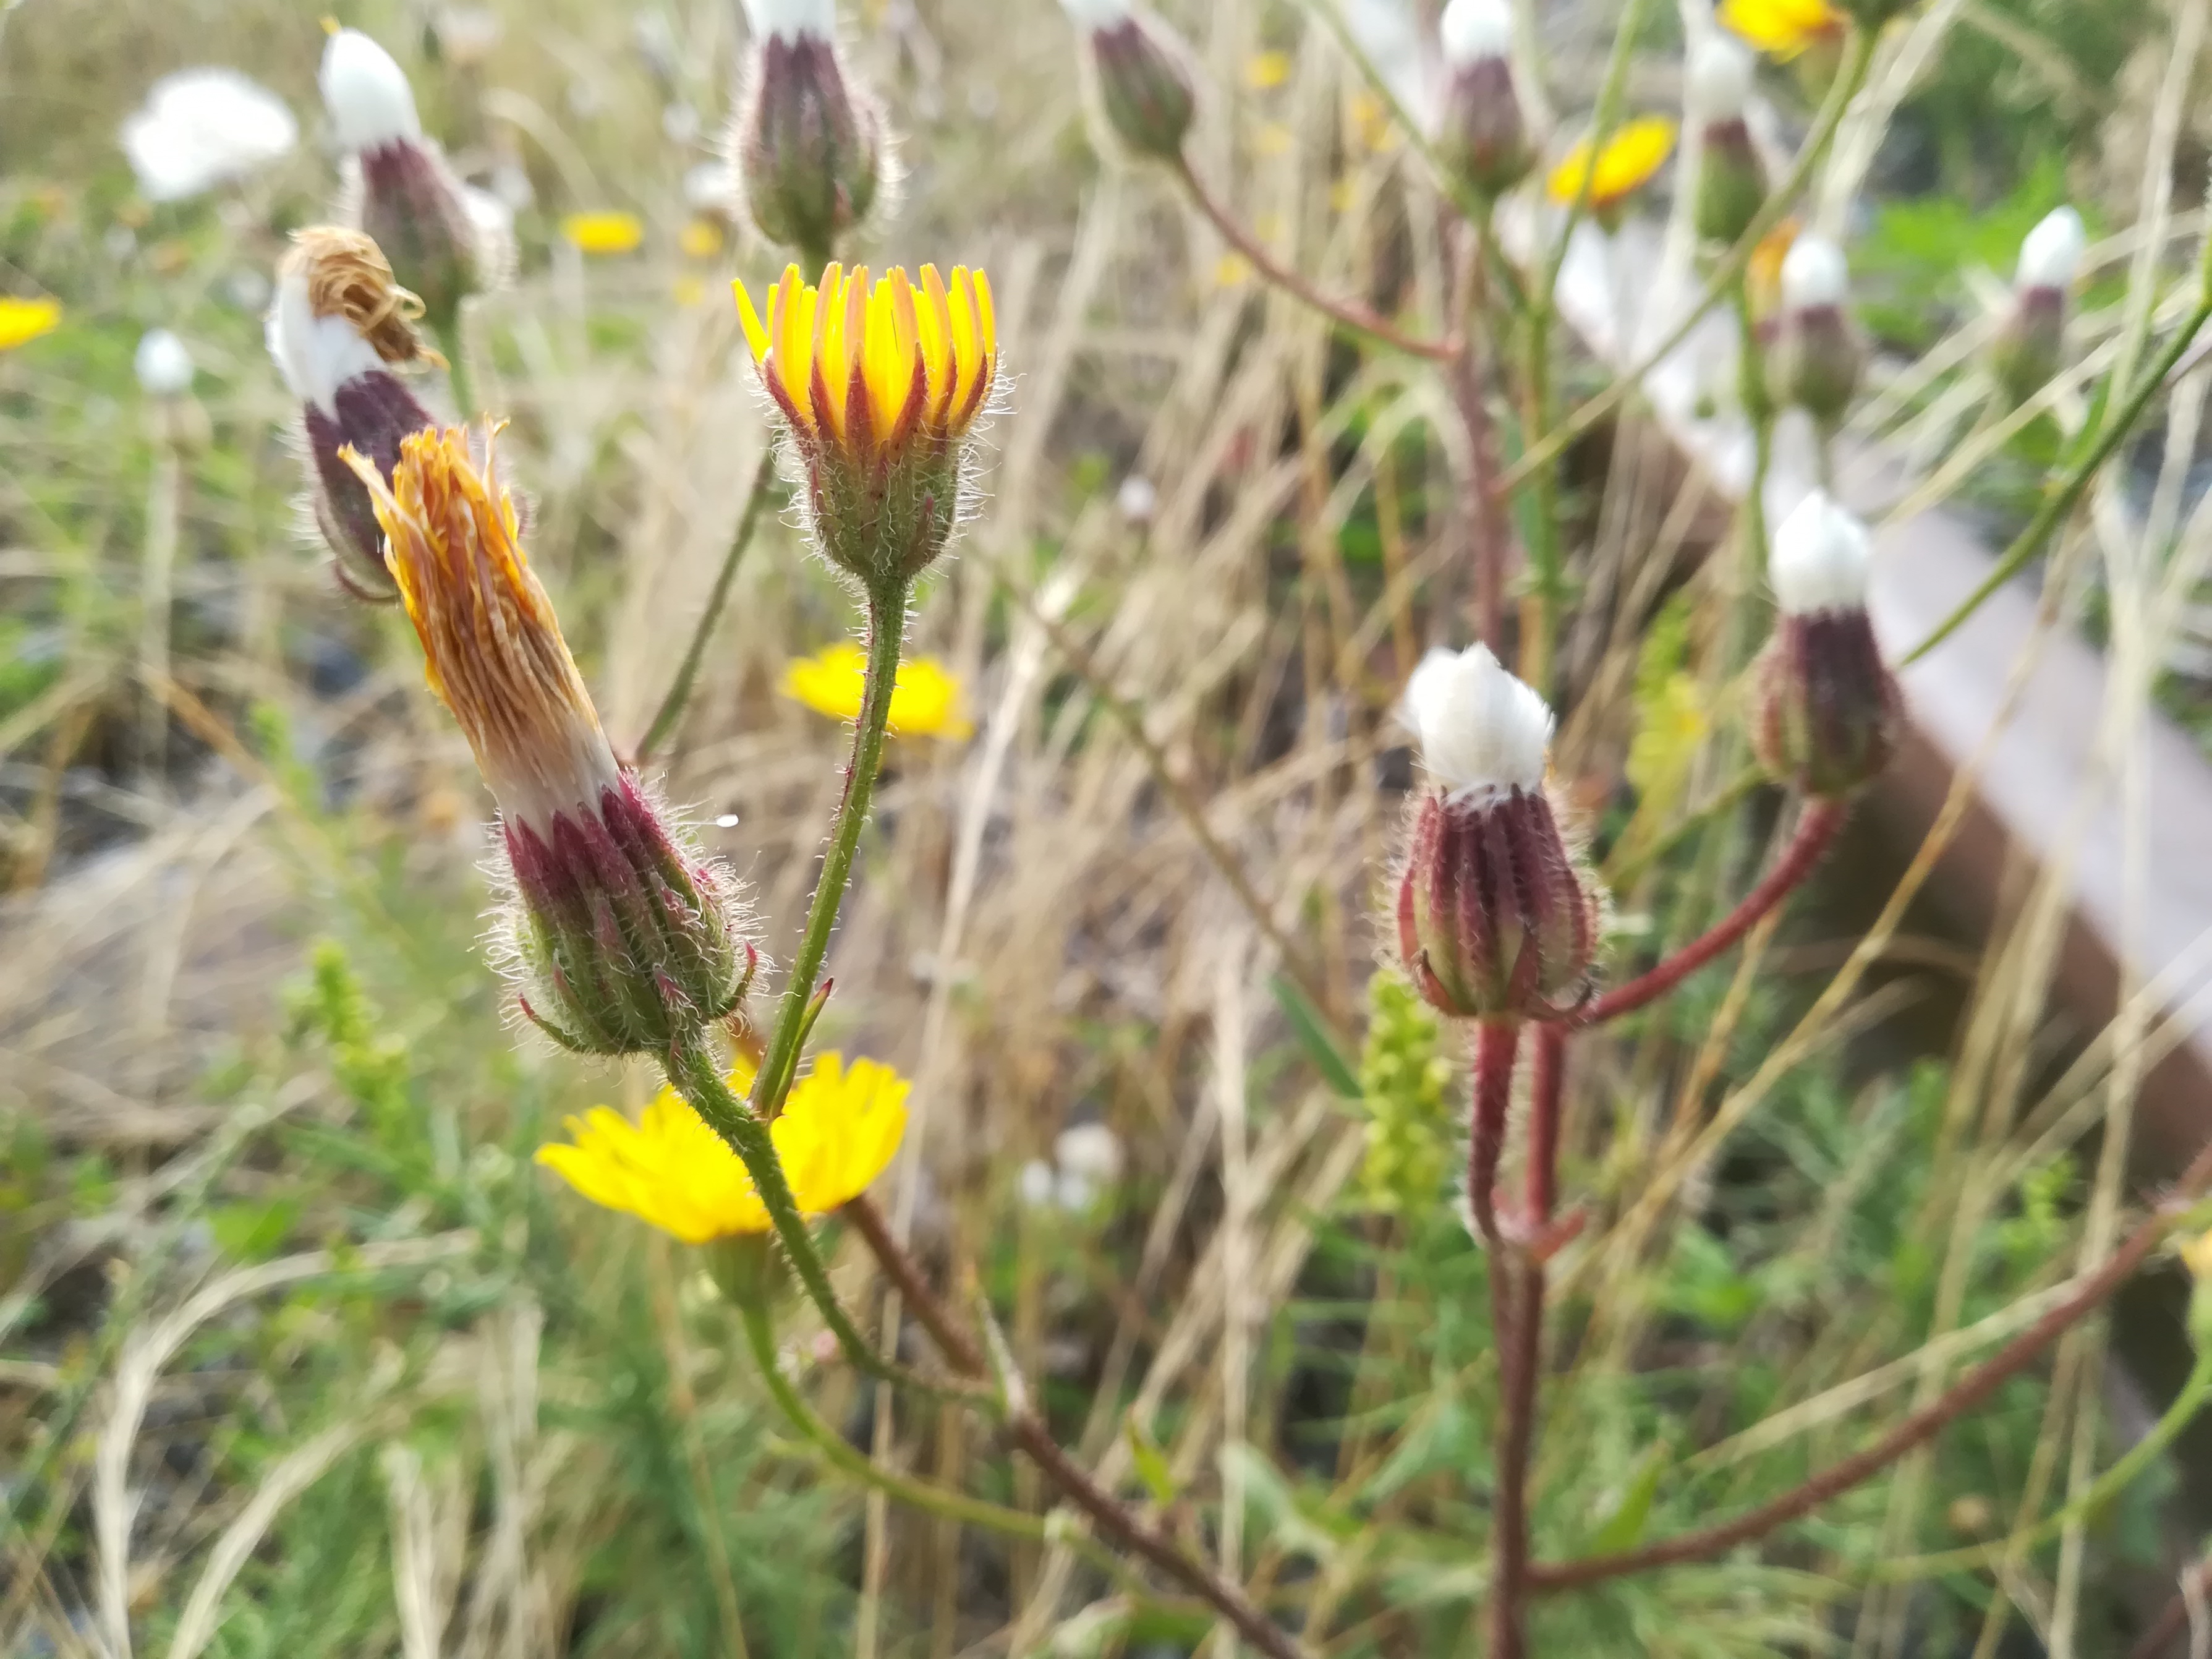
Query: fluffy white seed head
{"points": [[1473, 30], [1482, 731], [1820, 559], [1090, 1152], [164, 364], [789, 18], [315, 354], [202, 127], [1813, 273], [367, 93], [2050, 254], [1718, 80]]}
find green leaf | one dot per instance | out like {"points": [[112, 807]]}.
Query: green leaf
{"points": [[254, 1232], [1151, 1463], [1620, 1526], [1312, 1028]]}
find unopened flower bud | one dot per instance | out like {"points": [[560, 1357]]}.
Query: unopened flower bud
{"points": [[809, 143], [1731, 177], [1144, 90], [1497, 916], [339, 329], [1817, 357], [2028, 349], [1481, 133], [880, 388], [621, 939], [1827, 704], [399, 189]]}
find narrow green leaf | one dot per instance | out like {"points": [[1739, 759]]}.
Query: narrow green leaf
{"points": [[1312, 1030]]}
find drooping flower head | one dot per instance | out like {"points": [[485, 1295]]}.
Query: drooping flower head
{"points": [[204, 127], [926, 698], [623, 938], [838, 1129], [1817, 356], [2027, 352], [341, 331], [1496, 918], [1632, 158], [880, 385], [443, 244], [1141, 83], [1828, 705], [1481, 131], [808, 143], [1731, 177]]}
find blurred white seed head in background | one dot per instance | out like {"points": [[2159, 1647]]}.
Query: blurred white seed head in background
{"points": [[1472, 30], [1813, 273], [1820, 557], [792, 18], [203, 127], [1719, 78], [366, 94], [2050, 254], [164, 364]]}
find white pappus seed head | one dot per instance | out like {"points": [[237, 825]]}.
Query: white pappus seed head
{"points": [[1813, 273], [164, 364], [201, 127], [315, 354], [1819, 560], [1095, 14], [2050, 254], [790, 19], [1473, 30], [1718, 80], [1481, 730], [367, 93]]}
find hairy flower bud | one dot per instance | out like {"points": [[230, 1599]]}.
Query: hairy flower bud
{"points": [[880, 388], [1481, 133], [1828, 705], [1497, 917], [808, 144], [442, 242], [2028, 349], [1144, 90], [622, 940], [339, 328], [1731, 177], [1817, 358]]}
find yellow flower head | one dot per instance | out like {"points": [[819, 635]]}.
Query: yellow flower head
{"points": [[868, 369], [492, 646], [925, 699], [838, 1132], [702, 239], [1630, 159], [1266, 70], [24, 320], [1782, 29], [605, 232]]}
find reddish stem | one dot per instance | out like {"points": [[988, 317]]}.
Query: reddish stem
{"points": [[1114, 1518], [1352, 315], [1924, 1425], [1520, 1357], [1816, 829], [1496, 1043]]}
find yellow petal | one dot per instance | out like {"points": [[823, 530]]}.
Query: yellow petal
{"points": [[794, 342], [756, 333], [604, 231], [934, 321], [24, 320], [829, 344]]}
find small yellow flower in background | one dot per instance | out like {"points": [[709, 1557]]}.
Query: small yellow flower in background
{"points": [[1782, 29], [1266, 70], [702, 239], [1231, 270], [1629, 159], [690, 291], [2197, 1256], [603, 233], [1273, 139], [24, 320], [839, 1130], [925, 699]]}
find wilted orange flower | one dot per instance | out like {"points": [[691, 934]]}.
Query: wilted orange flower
{"points": [[492, 646]]}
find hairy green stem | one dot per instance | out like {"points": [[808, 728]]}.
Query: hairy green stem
{"points": [[2061, 503], [453, 342], [687, 672], [695, 1073], [1745, 617]]}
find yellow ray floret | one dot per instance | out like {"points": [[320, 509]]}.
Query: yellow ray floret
{"points": [[605, 232], [839, 1130], [1628, 162], [1782, 29], [926, 698], [858, 365]]}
